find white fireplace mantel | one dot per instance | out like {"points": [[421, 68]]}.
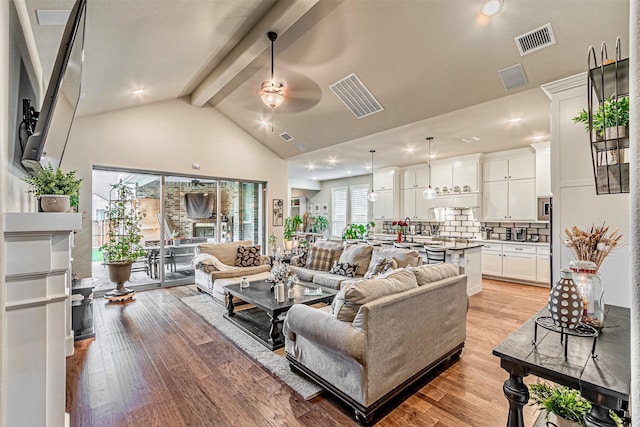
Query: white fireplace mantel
{"points": [[38, 308]]}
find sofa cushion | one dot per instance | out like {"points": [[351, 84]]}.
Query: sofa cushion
{"points": [[304, 274], [355, 293], [319, 259], [328, 280], [328, 244], [403, 257], [248, 256], [344, 269], [433, 272], [357, 254], [225, 252], [381, 266]]}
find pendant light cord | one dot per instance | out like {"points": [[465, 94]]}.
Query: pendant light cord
{"points": [[429, 138]]}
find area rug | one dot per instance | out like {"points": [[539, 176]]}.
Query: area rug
{"points": [[213, 312]]}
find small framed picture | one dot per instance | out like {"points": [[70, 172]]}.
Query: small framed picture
{"points": [[325, 209], [316, 208], [278, 212]]}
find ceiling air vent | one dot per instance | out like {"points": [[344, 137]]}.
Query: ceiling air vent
{"points": [[286, 136], [513, 77], [356, 96], [535, 40]]}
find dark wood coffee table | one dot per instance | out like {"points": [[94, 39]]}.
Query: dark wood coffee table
{"points": [[264, 321]]}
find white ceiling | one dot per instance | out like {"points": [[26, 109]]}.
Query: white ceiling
{"points": [[432, 65]]}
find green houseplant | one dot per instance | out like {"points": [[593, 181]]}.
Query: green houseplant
{"points": [[290, 226], [272, 243], [320, 223], [613, 112], [567, 404], [123, 237], [55, 189], [354, 231]]}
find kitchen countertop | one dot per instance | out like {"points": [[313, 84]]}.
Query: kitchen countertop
{"points": [[421, 241], [513, 242]]}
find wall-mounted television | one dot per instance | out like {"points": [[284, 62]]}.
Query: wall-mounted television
{"points": [[61, 98]]}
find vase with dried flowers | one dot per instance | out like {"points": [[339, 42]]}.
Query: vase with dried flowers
{"points": [[590, 249]]}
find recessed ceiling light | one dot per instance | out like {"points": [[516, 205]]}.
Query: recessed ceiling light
{"points": [[410, 149], [471, 139], [348, 172], [311, 166], [315, 178], [332, 161], [137, 92], [491, 7], [539, 137], [264, 123], [515, 119]]}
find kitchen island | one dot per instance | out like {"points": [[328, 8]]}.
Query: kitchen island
{"points": [[466, 254]]}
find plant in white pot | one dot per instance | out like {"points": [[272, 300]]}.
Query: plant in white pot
{"points": [[290, 227], [566, 404], [56, 190], [123, 237]]}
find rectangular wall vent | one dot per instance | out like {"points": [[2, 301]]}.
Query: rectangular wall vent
{"points": [[535, 40], [286, 136], [355, 95]]}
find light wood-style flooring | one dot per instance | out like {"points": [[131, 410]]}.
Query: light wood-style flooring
{"points": [[154, 362]]}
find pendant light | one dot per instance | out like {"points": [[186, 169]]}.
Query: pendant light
{"points": [[372, 196], [429, 193], [271, 91]]}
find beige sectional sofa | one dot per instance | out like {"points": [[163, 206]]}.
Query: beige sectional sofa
{"points": [[380, 335], [365, 256], [215, 268]]}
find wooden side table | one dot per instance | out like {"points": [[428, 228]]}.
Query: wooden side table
{"points": [[604, 380]]}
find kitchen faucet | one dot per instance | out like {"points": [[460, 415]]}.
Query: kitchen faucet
{"points": [[408, 221]]}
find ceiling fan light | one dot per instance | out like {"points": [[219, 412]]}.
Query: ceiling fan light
{"points": [[429, 193], [372, 196], [272, 93]]}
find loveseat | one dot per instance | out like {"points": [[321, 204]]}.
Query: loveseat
{"points": [[215, 266], [380, 335], [365, 258]]}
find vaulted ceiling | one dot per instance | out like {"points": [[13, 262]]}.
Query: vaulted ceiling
{"points": [[432, 65]]}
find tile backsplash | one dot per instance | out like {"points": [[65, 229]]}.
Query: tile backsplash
{"points": [[463, 223]]}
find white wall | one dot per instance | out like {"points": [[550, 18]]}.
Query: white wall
{"points": [[5, 40], [574, 194], [167, 136]]}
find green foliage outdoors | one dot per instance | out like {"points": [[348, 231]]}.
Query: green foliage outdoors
{"points": [[610, 114], [272, 239], [560, 400], [55, 181], [290, 226], [123, 244]]}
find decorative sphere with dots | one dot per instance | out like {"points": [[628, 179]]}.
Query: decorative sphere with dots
{"points": [[565, 302]]}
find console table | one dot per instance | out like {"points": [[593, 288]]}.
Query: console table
{"points": [[603, 380]]}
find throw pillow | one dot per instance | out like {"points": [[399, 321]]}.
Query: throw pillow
{"points": [[302, 257], [381, 266], [344, 269], [319, 259], [433, 272], [354, 294], [357, 254], [248, 256]]}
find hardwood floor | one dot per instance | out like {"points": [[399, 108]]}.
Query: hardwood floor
{"points": [[154, 362]]}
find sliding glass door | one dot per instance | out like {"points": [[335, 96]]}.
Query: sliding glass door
{"points": [[180, 212]]}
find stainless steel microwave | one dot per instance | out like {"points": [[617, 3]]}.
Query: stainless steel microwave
{"points": [[544, 208]]}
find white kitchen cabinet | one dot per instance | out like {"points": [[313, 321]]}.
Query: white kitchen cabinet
{"points": [[383, 207], [492, 259], [415, 178], [543, 265], [442, 175], [383, 180], [465, 172], [471, 262], [519, 262], [513, 200], [520, 166], [415, 206]]}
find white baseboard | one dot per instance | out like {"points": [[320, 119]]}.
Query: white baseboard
{"points": [[68, 344], [474, 290]]}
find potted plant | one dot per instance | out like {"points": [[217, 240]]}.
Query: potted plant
{"points": [[123, 237], [290, 227], [56, 190], [566, 404], [272, 243], [610, 119], [354, 232], [320, 224]]}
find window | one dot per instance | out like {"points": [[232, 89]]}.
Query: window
{"points": [[359, 204], [338, 210]]}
